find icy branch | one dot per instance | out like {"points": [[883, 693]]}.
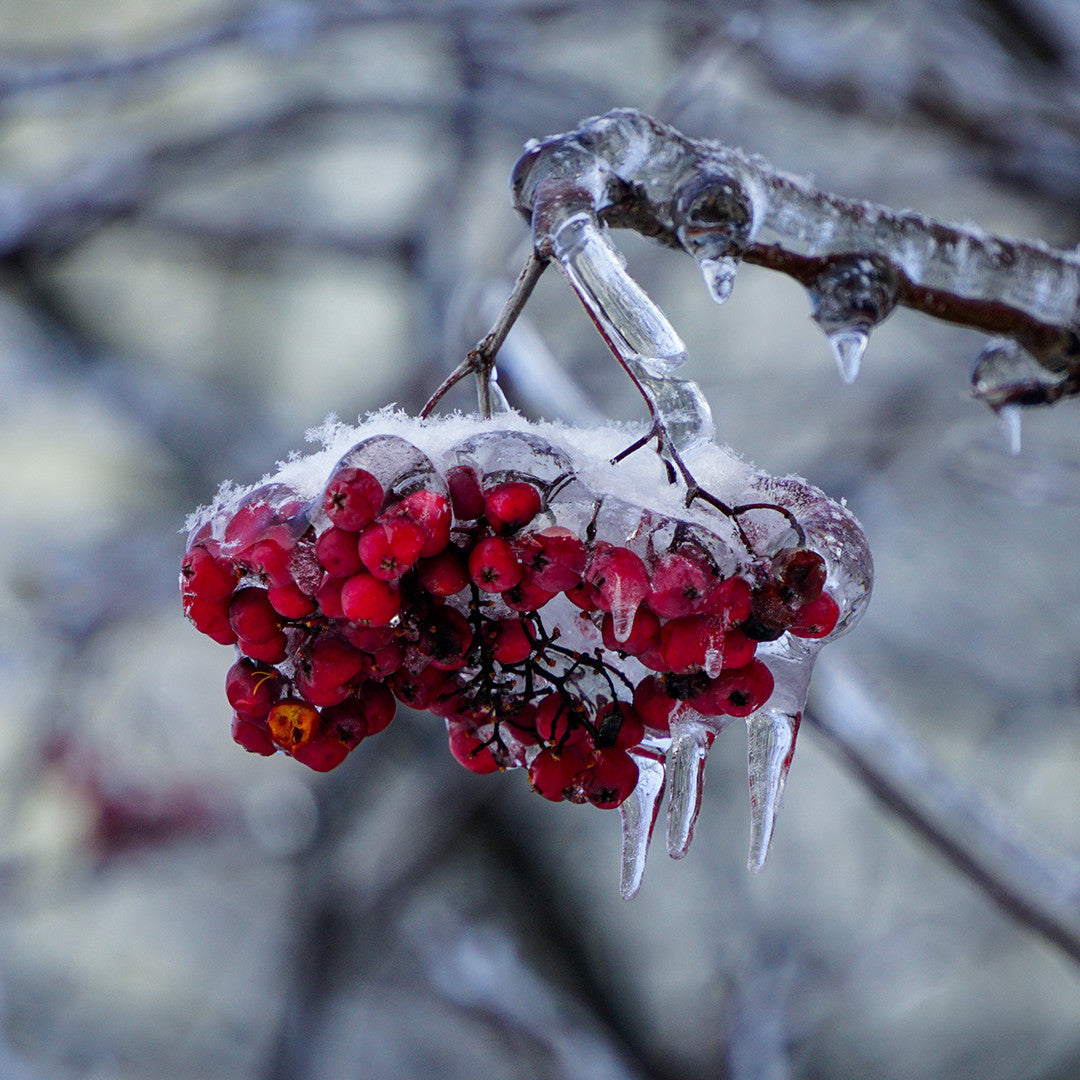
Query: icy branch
{"points": [[857, 261]]}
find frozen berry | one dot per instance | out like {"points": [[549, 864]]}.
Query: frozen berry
{"points": [[476, 753], [678, 585], [338, 553], [609, 780], [369, 601], [730, 601], [211, 617], [366, 713], [492, 565], [203, 575], [465, 492], [352, 499], [801, 570], [430, 512], [326, 667], [511, 505], [444, 574], [552, 775], [509, 640], [252, 736], [620, 578], [526, 596], [272, 651], [619, 725], [321, 753], [654, 705], [644, 634], [252, 615], [446, 637], [554, 558], [390, 547], [816, 618], [252, 688], [738, 692], [289, 601]]}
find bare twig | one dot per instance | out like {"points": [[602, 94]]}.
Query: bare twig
{"points": [[480, 360]]}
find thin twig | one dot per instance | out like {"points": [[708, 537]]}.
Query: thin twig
{"points": [[480, 360]]}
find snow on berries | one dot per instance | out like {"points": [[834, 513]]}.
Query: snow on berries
{"points": [[559, 613]]}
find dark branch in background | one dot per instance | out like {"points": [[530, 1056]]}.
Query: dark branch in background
{"points": [[1039, 889]]}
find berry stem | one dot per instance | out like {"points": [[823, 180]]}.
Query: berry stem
{"points": [[480, 360]]}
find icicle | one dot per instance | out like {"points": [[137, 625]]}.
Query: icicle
{"points": [[847, 300], [848, 347], [639, 814], [690, 743], [1011, 417], [719, 275], [771, 739], [771, 735], [1007, 378], [635, 328]]}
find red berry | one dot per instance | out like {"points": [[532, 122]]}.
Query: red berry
{"points": [[369, 601], [510, 641], [204, 576], [292, 723], [444, 574], [492, 565], [328, 597], [610, 779], [526, 596], [248, 524], [321, 753], [465, 492], [270, 559], [271, 651], [817, 618], [211, 617], [391, 546], [693, 643], [326, 667], [654, 705], [252, 736], [352, 499], [430, 512], [644, 634], [560, 720], [429, 688], [252, 616], [738, 649], [554, 558], [736, 693], [289, 601], [337, 552], [552, 775], [253, 688], [367, 713], [801, 570], [678, 585], [620, 578], [511, 505], [730, 601], [477, 754], [618, 725], [586, 596]]}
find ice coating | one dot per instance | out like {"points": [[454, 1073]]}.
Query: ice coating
{"points": [[799, 561], [724, 206]]}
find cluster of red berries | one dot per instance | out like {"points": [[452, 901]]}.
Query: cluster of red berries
{"points": [[462, 593]]}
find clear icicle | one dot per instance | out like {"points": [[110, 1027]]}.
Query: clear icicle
{"points": [[1011, 417], [847, 301], [714, 662], [639, 814], [771, 736], [719, 275], [634, 327], [1007, 379], [848, 347], [771, 740], [690, 743]]}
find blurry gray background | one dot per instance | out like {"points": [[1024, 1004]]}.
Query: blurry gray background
{"points": [[218, 223]]}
